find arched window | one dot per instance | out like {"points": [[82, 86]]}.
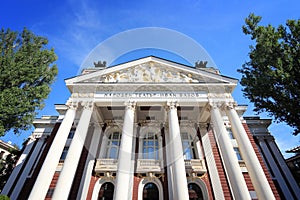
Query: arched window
{"points": [[150, 146], [195, 192], [113, 145], [188, 146], [150, 192], [106, 191]]}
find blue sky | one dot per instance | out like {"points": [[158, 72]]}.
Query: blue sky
{"points": [[75, 27]]}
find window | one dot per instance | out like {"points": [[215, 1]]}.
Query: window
{"points": [[71, 134], [230, 133], [150, 146], [113, 145], [106, 191], [150, 192], [64, 154], [195, 192], [188, 146], [238, 154]]}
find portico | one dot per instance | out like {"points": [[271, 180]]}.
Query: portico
{"points": [[151, 122]]}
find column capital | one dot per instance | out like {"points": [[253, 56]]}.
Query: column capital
{"points": [[130, 105], [72, 104], [171, 105], [215, 104], [230, 105], [203, 125], [87, 105]]}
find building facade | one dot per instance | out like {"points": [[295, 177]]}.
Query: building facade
{"points": [[146, 129], [294, 163], [282, 177]]}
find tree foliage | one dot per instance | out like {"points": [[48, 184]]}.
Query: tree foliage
{"points": [[26, 73], [7, 165], [271, 78]]}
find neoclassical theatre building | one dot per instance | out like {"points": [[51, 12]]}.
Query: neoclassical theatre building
{"points": [[146, 129]]}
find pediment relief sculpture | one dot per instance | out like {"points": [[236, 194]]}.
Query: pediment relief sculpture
{"points": [[148, 73]]}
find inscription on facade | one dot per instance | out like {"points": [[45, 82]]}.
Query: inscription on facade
{"points": [[150, 95]]}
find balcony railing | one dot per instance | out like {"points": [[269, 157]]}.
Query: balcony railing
{"points": [[103, 165], [195, 165], [149, 165]]}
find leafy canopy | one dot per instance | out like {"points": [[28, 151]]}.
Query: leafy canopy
{"points": [[271, 78], [26, 73]]}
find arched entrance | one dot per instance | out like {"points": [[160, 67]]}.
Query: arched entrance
{"points": [[195, 192], [106, 191], [150, 192]]}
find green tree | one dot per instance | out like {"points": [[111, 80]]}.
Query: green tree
{"points": [[271, 78], [26, 73], [7, 165]]}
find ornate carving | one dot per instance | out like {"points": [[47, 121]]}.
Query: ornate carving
{"points": [[148, 73], [172, 105], [200, 64], [100, 64], [72, 104], [130, 105], [89, 105]]}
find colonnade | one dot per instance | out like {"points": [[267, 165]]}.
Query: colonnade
{"points": [[174, 158]]}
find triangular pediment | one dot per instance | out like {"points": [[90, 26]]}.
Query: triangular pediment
{"points": [[151, 70]]}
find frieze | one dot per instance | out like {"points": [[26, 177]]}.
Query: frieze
{"points": [[148, 72]]}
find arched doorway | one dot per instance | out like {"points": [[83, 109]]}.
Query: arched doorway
{"points": [[106, 191], [150, 192], [195, 192]]}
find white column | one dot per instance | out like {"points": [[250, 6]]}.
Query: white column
{"points": [[68, 171], [18, 167], [232, 168], [211, 163], [86, 178], [169, 163], [30, 163], [47, 171], [179, 173], [125, 166], [257, 175]]}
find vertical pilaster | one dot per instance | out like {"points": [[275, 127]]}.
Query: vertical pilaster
{"points": [[232, 168], [47, 171], [90, 162], [179, 173], [67, 173], [275, 169], [30, 163], [257, 175], [211, 163], [123, 190], [18, 167]]}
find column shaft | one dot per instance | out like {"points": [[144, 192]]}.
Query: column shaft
{"points": [[257, 175], [47, 171], [125, 166], [232, 168], [179, 173], [68, 171], [90, 162]]}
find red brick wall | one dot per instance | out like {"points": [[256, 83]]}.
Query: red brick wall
{"points": [[52, 184], [205, 178], [220, 168], [93, 181], [261, 161], [135, 189]]}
